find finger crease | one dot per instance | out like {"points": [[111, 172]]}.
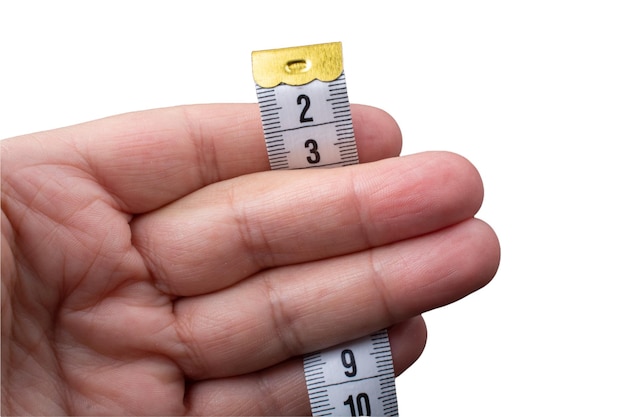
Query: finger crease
{"points": [[288, 339], [206, 155], [362, 213], [252, 246], [382, 291], [268, 392], [183, 331]]}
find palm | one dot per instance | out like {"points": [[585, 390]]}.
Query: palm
{"points": [[150, 279], [83, 307]]}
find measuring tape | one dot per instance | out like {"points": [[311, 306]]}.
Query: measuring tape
{"points": [[307, 124], [304, 107]]}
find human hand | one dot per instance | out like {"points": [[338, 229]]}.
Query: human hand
{"points": [[151, 266]]}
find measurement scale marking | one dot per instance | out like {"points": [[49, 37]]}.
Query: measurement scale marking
{"points": [[351, 381], [307, 126], [342, 163]]}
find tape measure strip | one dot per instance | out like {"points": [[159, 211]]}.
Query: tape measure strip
{"points": [[298, 122], [307, 123], [353, 379]]}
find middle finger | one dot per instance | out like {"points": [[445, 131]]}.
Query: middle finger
{"points": [[228, 231], [287, 311]]}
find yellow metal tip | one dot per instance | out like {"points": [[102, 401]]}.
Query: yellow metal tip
{"points": [[297, 65]]}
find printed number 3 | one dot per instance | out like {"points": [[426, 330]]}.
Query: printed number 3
{"points": [[311, 145]]}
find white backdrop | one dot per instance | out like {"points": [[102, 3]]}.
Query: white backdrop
{"points": [[533, 92]]}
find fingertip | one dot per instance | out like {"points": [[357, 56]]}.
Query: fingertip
{"points": [[464, 177], [377, 134], [492, 252], [408, 341]]}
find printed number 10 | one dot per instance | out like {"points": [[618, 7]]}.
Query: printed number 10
{"points": [[360, 406]]}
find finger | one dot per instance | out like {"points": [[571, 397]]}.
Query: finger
{"points": [[147, 159], [281, 389], [301, 308], [228, 231]]}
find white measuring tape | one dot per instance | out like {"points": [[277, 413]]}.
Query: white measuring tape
{"points": [[307, 124]]}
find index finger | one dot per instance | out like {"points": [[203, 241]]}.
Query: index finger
{"points": [[148, 159]]}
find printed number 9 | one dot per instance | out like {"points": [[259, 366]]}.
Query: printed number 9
{"points": [[349, 362]]}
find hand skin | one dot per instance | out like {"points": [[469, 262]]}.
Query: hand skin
{"points": [[152, 264]]}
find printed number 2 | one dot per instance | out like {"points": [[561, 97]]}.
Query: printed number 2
{"points": [[362, 406], [307, 104], [311, 145]]}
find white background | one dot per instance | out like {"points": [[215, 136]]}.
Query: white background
{"points": [[533, 92]]}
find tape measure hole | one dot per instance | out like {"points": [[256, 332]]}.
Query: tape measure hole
{"points": [[298, 66]]}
